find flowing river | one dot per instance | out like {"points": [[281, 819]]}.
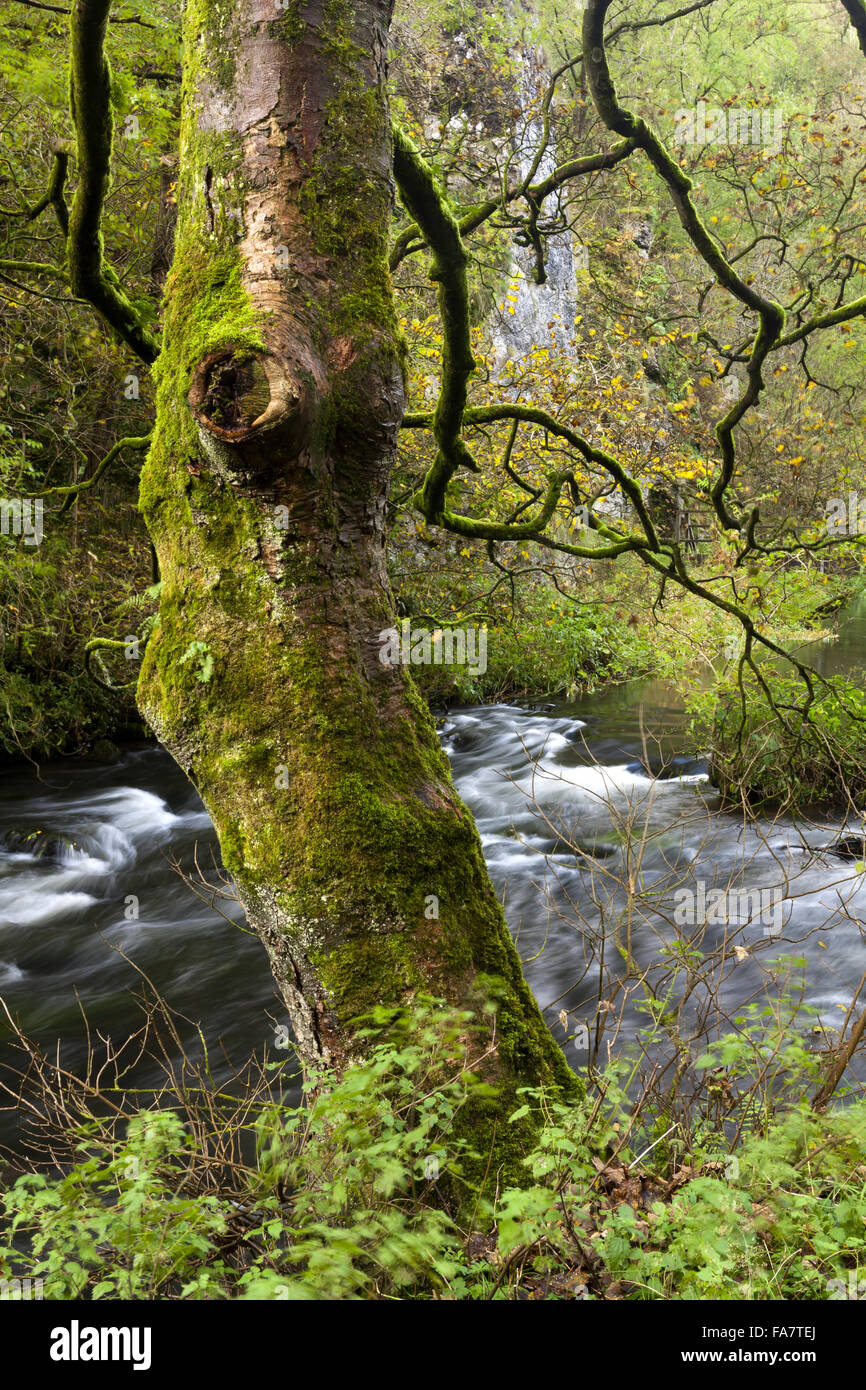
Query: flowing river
{"points": [[572, 801]]}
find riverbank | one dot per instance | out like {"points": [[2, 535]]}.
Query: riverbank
{"points": [[538, 640]]}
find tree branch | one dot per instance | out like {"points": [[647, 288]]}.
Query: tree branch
{"points": [[857, 15], [771, 315], [476, 216], [54, 195], [69, 493], [448, 269], [91, 652], [90, 90], [632, 26], [59, 9], [843, 1057], [55, 272]]}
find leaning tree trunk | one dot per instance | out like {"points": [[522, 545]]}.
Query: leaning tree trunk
{"points": [[280, 395]]}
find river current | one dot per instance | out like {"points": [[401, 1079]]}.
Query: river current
{"points": [[571, 800]]}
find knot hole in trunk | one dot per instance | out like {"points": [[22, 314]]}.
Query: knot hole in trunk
{"points": [[235, 394]]}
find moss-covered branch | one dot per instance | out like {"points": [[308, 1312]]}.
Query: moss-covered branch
{"points": [[70, 492], [91, 654], [429, 207], [90, 97], [771, 315], [54, 196], [842, 314], [426, 204], [54, 272], [857, 15], [466, 526], [411, 238], [39, 269]]}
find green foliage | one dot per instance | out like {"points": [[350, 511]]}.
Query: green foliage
{"points": [[372, 1152], [544, 645], [339, 1203], [770, 745], [349, 1196], [201, 653], [784, 1220], [115, 1227], [53, 598]]}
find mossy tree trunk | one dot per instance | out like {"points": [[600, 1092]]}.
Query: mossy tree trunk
{"points": [[280, 397]]}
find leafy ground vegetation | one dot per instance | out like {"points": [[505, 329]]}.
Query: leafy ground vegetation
{"points": [[823, 756], [357, 1194], [81, 581]]}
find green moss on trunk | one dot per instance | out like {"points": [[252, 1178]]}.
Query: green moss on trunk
{"points": [[320, 766]]}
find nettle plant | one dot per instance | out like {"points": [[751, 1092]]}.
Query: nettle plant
{"points": [[359, 1193], [341, 1201], [115, 1226]]}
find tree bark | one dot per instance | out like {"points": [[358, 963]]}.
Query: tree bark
{"points": [[279, 399]]}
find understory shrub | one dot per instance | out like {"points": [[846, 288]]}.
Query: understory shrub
{"points": [[350, 1195]]}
